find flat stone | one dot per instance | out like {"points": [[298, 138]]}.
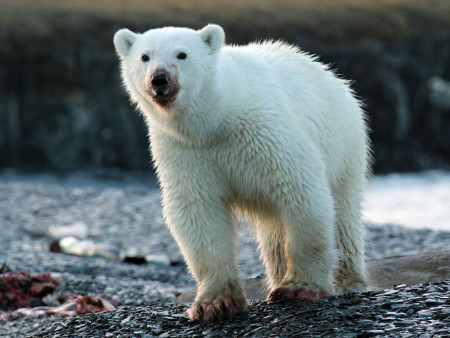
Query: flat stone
{"points": [[375, 331], [366, 322]]}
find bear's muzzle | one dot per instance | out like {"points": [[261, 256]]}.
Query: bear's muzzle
{"points": [[162, 87]]}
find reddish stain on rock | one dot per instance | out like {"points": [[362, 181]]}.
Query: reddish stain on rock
{"points": [[21, 289]]}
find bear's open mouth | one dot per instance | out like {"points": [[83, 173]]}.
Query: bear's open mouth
{"points": [[162, 99]]}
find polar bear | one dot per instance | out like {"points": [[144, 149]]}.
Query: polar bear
{"points": [[262, 130]]}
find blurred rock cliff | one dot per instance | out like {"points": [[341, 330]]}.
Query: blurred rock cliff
{"points": [[62, 105]]}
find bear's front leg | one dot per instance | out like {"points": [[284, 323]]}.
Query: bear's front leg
{"points": [[201, 222]]}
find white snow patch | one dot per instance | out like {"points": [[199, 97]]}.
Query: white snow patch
{"points": [[417, 200]]}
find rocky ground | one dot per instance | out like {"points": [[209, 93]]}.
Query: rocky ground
{"points": [[125, 213], [404, 311]]}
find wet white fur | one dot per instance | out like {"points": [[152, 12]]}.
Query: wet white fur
{"points": [[262, 129]]}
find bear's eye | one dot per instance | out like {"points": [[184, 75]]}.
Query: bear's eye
{"points": [[145, 57], [182, 56]]}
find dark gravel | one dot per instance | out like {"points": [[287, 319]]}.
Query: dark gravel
{"points": [[126, 212], [404, 311]]}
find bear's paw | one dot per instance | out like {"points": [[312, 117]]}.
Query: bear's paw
{"points": [[218, 309], [302, 294]]}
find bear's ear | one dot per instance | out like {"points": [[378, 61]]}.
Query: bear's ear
{"points": [[213, 36], [123, 41]]}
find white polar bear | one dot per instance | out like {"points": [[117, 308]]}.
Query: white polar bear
{"points": [[264, 130]]}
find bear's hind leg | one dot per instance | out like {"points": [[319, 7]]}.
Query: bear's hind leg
{"points": [[351, 275], [270, 238]]}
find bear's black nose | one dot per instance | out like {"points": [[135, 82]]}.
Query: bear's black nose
{"points": [[160, 82]]}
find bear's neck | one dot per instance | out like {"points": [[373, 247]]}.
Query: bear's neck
{"points": [[200, 124]]}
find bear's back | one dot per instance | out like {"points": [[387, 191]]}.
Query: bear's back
{"points": [[285, 76], [274, 57]]}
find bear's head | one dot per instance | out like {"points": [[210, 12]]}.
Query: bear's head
{"points": [[168, 68]]}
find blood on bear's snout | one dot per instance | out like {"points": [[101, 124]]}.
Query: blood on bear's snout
{"points": [[163, 87]]}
